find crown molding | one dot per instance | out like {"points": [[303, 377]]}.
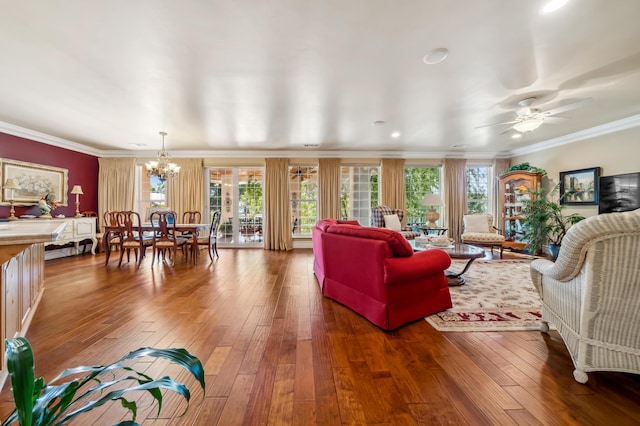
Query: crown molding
{"points": [[21, 132], [604, 129]]}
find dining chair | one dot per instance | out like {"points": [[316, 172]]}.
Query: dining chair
{"points": [[132, 236], [111, 220], [211, 241], [191, 216], [164, 235]]}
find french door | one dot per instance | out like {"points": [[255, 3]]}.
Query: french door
{"points": [[237, 193]]}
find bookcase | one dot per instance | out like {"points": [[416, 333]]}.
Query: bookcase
{"points": [[514, 189]]}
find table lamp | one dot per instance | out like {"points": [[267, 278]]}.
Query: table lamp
{"points": [[432, 215], [11, 184], [77, 189]]}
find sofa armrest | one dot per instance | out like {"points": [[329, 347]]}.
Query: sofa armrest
{"points": [[421, 264]]}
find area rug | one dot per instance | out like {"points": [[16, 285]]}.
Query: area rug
{"points": [[497, 296]]}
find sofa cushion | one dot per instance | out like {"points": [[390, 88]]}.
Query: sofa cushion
{"points": [[349, 222], [391, 221], [398, 244], [476, 223], [323, 224]]}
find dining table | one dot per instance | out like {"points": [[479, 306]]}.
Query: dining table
{"points": [[180, 228]]}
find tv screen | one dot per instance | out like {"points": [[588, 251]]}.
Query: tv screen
{"points": [[619, 193]]}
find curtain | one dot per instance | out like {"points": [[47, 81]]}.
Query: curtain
{"points": [[500, 165], [455, 191], [116, 189], [185, 190], [329, 188], [392, 184], [277, 211]]}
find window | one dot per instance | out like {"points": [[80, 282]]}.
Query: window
{"points": [[359, 193], [478, 189], [152, 193], [419, 181], [303, 195]]}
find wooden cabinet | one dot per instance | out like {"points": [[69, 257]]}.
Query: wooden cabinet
{"points": [[514, 189], [78, 229]]}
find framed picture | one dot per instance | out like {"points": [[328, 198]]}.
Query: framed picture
{"points": [[36, 181], [580, 187]]}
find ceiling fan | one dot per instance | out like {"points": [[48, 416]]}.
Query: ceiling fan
{"points": [[301, 172], [529, 119]]}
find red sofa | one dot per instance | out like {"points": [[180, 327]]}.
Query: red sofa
{"points": [[375, 272]]}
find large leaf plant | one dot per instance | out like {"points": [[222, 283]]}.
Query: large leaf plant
{"points": [[544, 221], [40, 404]]}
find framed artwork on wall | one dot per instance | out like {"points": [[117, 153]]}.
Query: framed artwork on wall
{"points": [[35, 181], [580, 187]]}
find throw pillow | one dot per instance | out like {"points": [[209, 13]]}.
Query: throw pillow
{"points": [[476, 223], [392, 222]]}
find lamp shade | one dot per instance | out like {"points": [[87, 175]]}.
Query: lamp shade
{"points": [[77, 189], [11, 184], [431, 200]]}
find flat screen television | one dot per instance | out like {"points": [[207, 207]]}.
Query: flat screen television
{"points": [[619, 193]]}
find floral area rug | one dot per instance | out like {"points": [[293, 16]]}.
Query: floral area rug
{"points": [[497, 296]]}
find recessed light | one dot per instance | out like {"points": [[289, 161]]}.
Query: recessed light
{"points": [[311, 145], [516, 136], [435, 56], [395, 135], [553, 5], [462, 145], [377, 123], [138, 144]]}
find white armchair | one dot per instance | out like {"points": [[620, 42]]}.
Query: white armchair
{"points": [[479, 231], [592, 293]]}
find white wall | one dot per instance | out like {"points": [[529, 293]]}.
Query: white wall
{"points": [[614, 153]]}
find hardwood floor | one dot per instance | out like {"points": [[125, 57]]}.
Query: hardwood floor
{"points": [[277, 352]]}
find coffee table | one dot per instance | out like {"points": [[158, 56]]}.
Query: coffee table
{"points": [[456, 251]]}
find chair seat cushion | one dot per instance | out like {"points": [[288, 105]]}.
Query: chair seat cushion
{"points": [[482, 237]]}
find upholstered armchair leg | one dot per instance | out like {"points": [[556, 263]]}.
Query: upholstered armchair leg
{"points": [[544, 327], [580, 376]]}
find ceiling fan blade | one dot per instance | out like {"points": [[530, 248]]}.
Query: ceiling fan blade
{"points": [[495, 124], [567, 107], [506, 130], [553, 120]]}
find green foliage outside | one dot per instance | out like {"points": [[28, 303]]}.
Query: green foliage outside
{"points": [[306, 206], [419, 181], [250, 197], [477, 190]]}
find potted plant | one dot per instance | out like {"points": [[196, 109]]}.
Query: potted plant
{"points": [[545, 223], [41, 404]]}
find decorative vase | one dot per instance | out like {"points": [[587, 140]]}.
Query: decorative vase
{"points": [[554, 250]]}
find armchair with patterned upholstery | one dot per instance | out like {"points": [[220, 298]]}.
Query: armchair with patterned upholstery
{"points": [[479, 231], [592, 293], [379, 213]]}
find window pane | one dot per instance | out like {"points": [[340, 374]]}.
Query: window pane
{"points": [[153, 192], [477, 190], [420, 181], [303, 196], [359, 193]]}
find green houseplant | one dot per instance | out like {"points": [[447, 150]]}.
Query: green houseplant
{"points": [[56, 403], [545, 223]]}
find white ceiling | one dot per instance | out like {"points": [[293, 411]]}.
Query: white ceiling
{"points": [[256, 75]]}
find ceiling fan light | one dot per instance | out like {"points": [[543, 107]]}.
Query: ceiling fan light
{"points": [[528, 125]]}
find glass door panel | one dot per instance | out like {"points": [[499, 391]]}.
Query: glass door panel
{"points": [[237, 193]]}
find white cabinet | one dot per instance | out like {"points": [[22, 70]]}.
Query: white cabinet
{"points": [[78, 229]]}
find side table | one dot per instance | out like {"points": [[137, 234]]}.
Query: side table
{"points": [[433, 231]]}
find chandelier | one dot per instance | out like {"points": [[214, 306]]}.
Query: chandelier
{"points": [[162, 168]]}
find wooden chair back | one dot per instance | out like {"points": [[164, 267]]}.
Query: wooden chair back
{"points": [[191, 216]]}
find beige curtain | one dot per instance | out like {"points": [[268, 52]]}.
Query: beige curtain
{"points": [[116, 189], [455, 184], [392, 184], [500, 165], [329, 188], [277, 225], [185, 191]]}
